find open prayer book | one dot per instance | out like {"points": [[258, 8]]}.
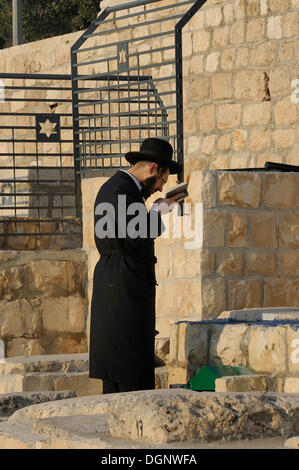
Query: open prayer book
{"points": [[179, 188]]}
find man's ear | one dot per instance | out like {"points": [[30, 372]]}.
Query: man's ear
{"points": [[152, 167]]}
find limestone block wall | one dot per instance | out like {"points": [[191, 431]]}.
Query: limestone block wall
{"points": [[66, 235], [240, 61], [43, 306], [239, 105], [47, 55], [249, 252]]}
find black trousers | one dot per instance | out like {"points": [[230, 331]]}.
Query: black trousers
{"points": [[114, 387]]}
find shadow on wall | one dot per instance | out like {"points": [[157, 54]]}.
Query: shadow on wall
{"points": [[52, 192], [41, 205]]}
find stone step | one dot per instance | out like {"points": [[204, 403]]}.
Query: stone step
{"points": [[79, 382], [262, 314], [56, 372], [45, 363], [58, 363]]}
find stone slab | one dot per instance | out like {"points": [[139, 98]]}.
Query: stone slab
{"points": [[90, 431], [11, 402], [36, 381], [262, 314], [78, 423], [248, 383], [20, 436], [73, 432], [88, 405], [70, 427], [162, 416], [45, 363], [81, 431]]}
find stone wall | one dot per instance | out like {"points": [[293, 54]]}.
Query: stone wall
{"points": [[239, 61], [238, 84], [249, 252], [240, 58], [64, 235], [43, 307], [50, 55], [248, 255]]}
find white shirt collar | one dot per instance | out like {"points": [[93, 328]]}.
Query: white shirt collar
{"points": [[134, 179]]}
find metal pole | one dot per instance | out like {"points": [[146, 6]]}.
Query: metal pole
{"points": [[17, 22]]}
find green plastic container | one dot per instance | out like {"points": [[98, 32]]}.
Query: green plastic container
{"points": [[204, 379]]}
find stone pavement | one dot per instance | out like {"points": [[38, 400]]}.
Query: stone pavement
{"points": [[155, 419]]}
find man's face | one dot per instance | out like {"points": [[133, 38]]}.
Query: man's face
{"points": [[155, 182]]}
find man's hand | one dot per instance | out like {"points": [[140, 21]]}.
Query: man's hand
{"points": [[165, 205]]}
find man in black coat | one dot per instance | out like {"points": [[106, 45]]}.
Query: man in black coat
{"points": [[122, 327]]}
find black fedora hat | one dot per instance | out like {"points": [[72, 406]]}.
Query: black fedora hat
{"points": [[155, 150]]}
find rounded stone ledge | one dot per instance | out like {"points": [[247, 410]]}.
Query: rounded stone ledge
{"points": [[292, 443], [72, 427], [71, 432], [163, 416], [235, 417], [87, 405]]}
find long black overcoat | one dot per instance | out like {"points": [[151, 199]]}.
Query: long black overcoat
{"points": [[123, 300]]}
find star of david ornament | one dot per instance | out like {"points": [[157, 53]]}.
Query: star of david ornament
{"points": [[47, 127]]}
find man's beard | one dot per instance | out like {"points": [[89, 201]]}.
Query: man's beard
{"points": [[148, 185]]}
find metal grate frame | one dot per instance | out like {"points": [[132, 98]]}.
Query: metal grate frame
{"points": [[131, 57]]}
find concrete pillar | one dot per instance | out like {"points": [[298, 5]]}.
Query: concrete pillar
{"points": [[17, 22]]}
